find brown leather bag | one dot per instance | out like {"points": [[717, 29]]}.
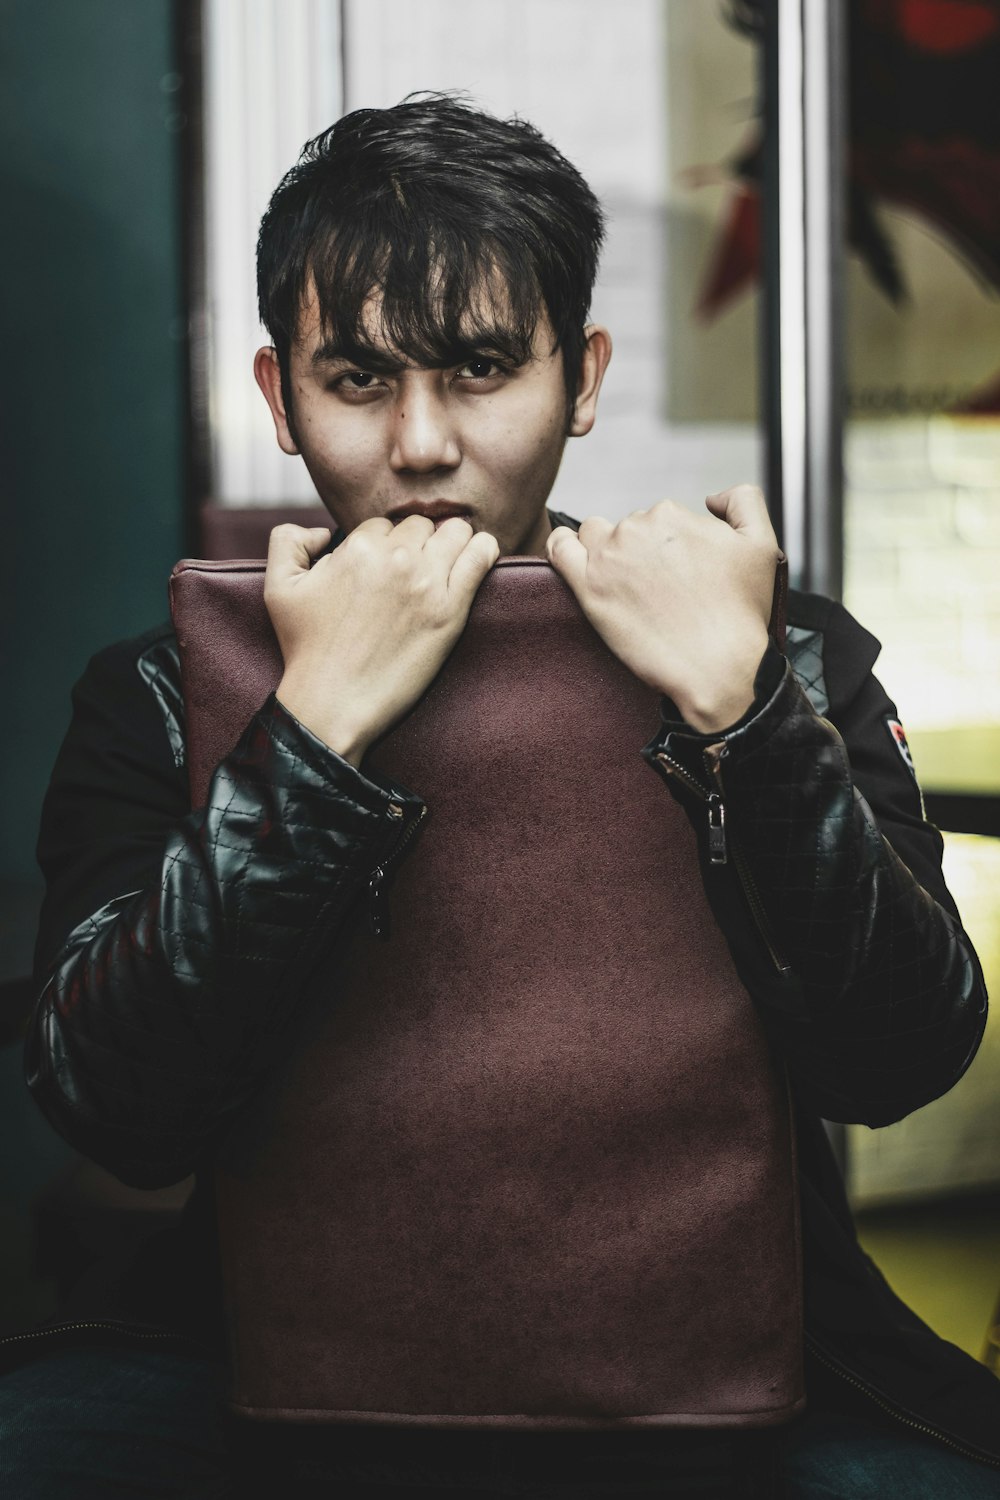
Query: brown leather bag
{"points": [[529, 1163]]}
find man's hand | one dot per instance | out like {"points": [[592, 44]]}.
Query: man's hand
{"points": [[683, 600], [367, 628]]}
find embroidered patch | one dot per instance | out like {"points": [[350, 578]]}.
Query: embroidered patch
{"points": [[898, 733]]}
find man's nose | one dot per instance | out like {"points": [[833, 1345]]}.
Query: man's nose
{"points": [[424, 436]]}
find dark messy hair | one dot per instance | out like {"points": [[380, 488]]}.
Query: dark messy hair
{"points": [[465, 224]]}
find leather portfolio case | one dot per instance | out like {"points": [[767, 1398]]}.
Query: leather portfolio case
{"points": [[528, 1163]]}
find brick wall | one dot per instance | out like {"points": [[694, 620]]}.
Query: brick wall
{"points": [[923, 562]]}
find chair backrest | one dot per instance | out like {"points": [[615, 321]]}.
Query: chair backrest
{"points": [[530, 1162]]}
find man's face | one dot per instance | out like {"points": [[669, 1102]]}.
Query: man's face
{"points": [[483, 439]]}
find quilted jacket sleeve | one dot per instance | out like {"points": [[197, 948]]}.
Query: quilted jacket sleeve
{"points": [[834, 905], [174, 945]]}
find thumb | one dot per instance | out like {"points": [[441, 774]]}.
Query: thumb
{"points": [[472, 565], [743, 508], [568, 556]]}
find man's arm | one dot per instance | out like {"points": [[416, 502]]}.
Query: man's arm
{"points": [[840, 923], [856, 958], [174, 945]]}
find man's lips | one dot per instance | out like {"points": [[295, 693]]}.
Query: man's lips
{"points": [[434, 510]]}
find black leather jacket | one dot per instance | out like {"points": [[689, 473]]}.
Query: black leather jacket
{"points": [[173, 945]]}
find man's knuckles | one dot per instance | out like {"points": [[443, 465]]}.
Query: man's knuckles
{"points": [[666, 511], [286, 534]]}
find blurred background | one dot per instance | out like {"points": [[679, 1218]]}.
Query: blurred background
{"points": [[801, 277]]}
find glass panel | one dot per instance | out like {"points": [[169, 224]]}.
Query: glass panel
{"points": [[923, 361], [713, 218], [922, 459]]}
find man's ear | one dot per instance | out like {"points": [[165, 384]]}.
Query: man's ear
{"points": [[596, 354], [267, 372]]}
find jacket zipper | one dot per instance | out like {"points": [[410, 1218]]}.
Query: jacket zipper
{"points": [[378, 900], [757, 911], [896, 1414], [720, 844], [718, 849]]}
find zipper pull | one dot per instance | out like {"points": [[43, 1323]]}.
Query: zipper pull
{"points": [[379, 879], [378, 905], [717, 851]]}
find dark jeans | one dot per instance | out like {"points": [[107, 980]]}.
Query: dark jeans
{"points": [[90, 1424]]}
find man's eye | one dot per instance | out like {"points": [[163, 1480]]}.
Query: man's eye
{"points": [[480, 369], [354, 383], [358, 380]]}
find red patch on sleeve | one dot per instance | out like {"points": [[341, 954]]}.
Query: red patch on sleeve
{"points": [[898, 735]]}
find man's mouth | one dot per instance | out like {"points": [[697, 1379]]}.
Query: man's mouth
{"points": [[435, 510]]}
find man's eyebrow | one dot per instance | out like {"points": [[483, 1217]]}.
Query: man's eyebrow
{"points": [[381, 361], [367, 357]]}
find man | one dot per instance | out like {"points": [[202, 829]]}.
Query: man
{"points": [[425, 275]]}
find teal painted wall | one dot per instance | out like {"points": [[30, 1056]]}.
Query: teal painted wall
{"points": [[91, 379]]}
